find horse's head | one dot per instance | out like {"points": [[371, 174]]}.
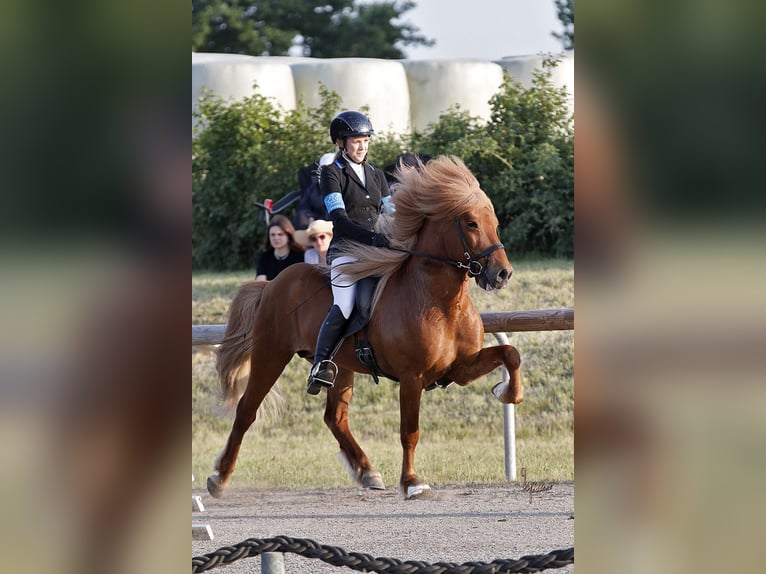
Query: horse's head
{"points": [[442, 212], [483, 254]]}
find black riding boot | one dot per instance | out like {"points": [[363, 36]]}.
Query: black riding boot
{"points": [[324, 370]]}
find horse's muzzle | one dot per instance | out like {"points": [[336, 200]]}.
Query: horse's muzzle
{"points": [[491, 279], [502, 277]]}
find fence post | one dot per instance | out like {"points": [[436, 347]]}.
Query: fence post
{"points": [[272, 563], [509, 421]]}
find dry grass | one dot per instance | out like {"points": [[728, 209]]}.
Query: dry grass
{"points": [[461, 428]]}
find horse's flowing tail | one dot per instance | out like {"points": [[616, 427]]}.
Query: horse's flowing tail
{"points": [[233, 355]]}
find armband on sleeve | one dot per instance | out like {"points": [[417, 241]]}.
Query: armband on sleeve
{"points": [[333, 201], [388, 205]]}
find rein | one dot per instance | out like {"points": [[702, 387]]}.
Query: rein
{"points": [[473, 266]]}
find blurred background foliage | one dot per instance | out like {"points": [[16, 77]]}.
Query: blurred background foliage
{"points": [[250, 150]]}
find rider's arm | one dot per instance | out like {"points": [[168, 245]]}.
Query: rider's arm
{"points": [[343, 226]]}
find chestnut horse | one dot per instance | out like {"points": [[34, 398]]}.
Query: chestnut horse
{"points": [[424, 328]]}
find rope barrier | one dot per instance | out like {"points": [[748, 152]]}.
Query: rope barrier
{"points": [[366, 563]]}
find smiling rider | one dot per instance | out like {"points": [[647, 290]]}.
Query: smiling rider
{"points": [[354, 194]]}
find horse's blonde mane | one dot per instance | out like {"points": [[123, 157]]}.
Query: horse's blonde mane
{"points": [[443, 188]]}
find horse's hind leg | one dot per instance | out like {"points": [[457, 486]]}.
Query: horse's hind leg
{"points": [[336, 418], [263, 374]]}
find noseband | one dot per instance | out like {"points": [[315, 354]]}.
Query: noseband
{"points": [[473, 264]]}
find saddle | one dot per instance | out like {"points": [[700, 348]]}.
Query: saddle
{"points": [[357, 326]]}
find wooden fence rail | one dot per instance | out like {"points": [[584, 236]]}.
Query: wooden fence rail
{"points": [[504, 322]]}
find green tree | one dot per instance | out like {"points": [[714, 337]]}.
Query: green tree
{"points": [[320, 29], [565, 13]]}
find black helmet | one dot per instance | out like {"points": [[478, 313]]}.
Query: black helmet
{"points": [[350, 123]]}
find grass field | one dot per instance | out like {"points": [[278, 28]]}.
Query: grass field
{"points": [[461, 438]]}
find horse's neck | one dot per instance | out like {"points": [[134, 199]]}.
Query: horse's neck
{"points": [[435, 284]]}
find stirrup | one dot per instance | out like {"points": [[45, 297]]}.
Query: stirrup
{"points": [[322, 375]]}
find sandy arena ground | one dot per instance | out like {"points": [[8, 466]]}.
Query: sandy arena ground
{"points": [[459, 524]]}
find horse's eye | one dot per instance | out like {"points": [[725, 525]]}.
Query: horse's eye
{"points": [[472, 225]]}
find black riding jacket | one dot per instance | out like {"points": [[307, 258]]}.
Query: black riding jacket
{"points": [[353, 207]]}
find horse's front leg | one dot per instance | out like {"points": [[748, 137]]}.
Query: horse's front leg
{"points": [[489, 358], [352, 456], [409, 408]]}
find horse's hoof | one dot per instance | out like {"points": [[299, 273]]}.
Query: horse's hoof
{"points": [[501, 391], [373, 481], [214, 486], [418, 491]]}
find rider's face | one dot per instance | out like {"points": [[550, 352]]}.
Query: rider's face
{"points": [[356, 147]]}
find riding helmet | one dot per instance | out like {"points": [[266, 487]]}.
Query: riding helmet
{"points": [[350, 124]]}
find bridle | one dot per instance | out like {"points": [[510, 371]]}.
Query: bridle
{"points": [[473, 264]]}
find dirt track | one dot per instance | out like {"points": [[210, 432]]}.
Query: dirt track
{"points": [[459, 524]]}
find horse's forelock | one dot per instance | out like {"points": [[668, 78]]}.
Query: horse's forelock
{"points": [[443, 188]]}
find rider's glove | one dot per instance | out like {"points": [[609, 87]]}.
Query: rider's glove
{"points": [[380, 240]]}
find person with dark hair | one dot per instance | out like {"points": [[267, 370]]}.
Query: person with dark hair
{"points": [[354, 193], [282, 250]]}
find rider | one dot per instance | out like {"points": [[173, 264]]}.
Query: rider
{"points": [[354, 193]]}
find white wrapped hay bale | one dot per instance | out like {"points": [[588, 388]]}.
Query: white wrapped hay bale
{"points": [[232, 76], [380, 84], [437, 85]]}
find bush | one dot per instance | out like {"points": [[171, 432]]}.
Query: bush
{"points": [[244, 152], [248, 151], [533, 186], [523, 158], [251, 150]]}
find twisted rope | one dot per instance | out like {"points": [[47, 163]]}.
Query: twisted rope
{"points": [[366, 563]]}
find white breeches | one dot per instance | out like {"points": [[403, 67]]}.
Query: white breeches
{"points": [[343, 290]]}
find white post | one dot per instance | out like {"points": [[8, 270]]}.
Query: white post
{"points": [[509, 432], [509, 422], [272, 563]]}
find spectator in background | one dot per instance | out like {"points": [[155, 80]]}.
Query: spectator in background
{"points": [[282, 249], [316, 238], [311, 206]]}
